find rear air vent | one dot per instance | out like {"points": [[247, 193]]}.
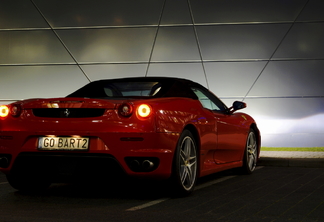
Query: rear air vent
{"points": [[68, 112]]}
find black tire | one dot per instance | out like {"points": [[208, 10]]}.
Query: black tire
{"points": [[28, 184], [250, 154], [185, 165]]}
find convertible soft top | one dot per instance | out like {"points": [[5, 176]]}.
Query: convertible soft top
{"points": [[156, 87]]}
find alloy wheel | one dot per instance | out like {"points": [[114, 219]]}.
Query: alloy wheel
{"points": [[188, 163], [251, 151]]}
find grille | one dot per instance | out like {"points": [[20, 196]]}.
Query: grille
{"points": [[68, 113]]}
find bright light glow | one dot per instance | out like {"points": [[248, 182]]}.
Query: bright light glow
{"points": [[144, 110], [283, 132], [76, 136], [53, 105], [4, 111]]}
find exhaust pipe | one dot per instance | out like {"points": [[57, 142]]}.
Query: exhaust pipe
{"points": [[4, 162], [147, 164], [142, 164], [135, 165]]}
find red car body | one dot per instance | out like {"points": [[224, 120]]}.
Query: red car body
{"points": [[37, 135]]}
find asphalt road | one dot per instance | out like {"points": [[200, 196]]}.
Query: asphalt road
{"points": [[269, 194]]}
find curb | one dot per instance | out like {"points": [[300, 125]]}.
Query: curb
{"points": [[291, 162]]}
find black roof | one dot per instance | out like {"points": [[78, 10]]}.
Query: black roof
{"points": [[148, 79], [171, 87]]}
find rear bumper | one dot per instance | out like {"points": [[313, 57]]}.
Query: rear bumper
{"points": [[109, 154]]}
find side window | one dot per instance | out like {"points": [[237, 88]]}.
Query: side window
{"points": [[208, 100]]}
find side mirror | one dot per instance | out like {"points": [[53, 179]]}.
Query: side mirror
{"points": [[237, 105]]}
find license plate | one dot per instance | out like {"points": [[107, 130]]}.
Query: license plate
{"points": [[63, 143]]}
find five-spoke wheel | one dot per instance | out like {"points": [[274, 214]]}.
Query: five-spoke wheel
{"points": [[251, 153], [185, 164]]}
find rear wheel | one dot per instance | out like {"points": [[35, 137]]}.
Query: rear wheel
{"points": [[185, 165], [250, 154]]}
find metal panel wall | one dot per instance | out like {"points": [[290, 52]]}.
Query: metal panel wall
{"points": [[267, 53]]}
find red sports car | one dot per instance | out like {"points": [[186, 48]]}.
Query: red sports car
{"points": [[150, 127]]}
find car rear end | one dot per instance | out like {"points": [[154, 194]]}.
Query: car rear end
{"points": [[73, 136]]}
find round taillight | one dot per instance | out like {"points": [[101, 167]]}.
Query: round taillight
{"points": [[15, 110], [144, 110], [4, 111], [125, 109]]}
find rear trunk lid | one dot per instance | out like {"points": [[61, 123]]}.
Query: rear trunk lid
{"points": [[68, 107]]}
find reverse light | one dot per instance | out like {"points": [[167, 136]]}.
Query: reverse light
{"points": [[4, 111], [144, 110], [15, 110], [125, 109]]}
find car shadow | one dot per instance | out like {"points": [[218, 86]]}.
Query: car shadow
{"points": [[118, 188]]}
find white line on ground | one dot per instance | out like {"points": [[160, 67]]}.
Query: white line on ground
{"points": [[154, 202], [219, 180], [151, 203], [213, 182]]}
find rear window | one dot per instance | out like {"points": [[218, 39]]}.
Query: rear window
{"points": [[129, 89], [109, 89]]}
